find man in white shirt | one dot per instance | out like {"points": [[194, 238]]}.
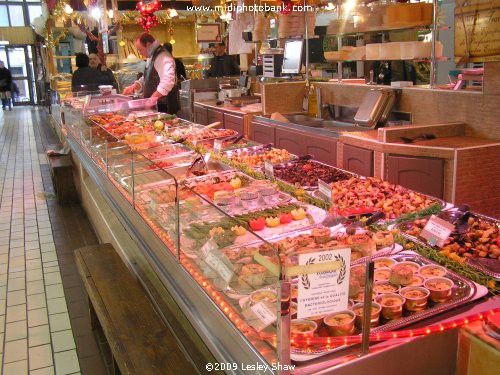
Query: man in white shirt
{"points": [[159, 76]]}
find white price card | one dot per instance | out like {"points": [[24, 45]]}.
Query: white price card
{"points": [[326, 292], [437, 231], [207, 157], [217, 146], [209, 246], [325, 190], [218, 265], [268, 169], [260, 315]]}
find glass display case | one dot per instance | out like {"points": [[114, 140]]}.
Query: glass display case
{"points": [[280, 283]]}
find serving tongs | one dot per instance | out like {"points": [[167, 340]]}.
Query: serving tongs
{"points": [[196, 161], [351, 228], [459, 217]]}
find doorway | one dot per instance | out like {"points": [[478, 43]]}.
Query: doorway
{"points": [[19, 60]]}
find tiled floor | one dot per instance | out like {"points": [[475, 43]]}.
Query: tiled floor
{"points": [[44, 324]]}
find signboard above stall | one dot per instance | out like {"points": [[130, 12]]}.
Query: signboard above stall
{"points": [[208, 32], [477, 30]]}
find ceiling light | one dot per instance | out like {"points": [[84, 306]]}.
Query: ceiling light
{"points": [[96, 13], [110, 13], [68, 9]]}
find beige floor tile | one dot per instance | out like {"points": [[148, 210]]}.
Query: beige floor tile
{"points": [[63, 340], [33, 264], [16, 298], [39, 335], [53, 278], [37, 317], [17, 264], [49, 256], [4, 258], [16, 351], [50, 264], [57, 305], [47, 270], [47, 239], [16, 252], [34, 275], [66, 362], [3, 280], [2, 323], [33, 254], [59, 322], [35, 287], [16, 313], [3, 269], [17, 284], [43, 371], [36, 301], [54, 291], [16, 368], [32, 245], [16, 331], [40, 356], [3, 292], [16, 275]]}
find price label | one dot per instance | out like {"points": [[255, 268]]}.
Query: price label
{"points": [[437, 231], [207, 157], [325, 190], [209, 246], [268, 169], [264, 313], [218, 265], [218, 146]]}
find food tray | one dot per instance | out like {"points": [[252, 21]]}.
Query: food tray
{"points": [[463, 292], [255, 150], [439, 201], [485, 268], [123, 170], [315, 187], [156, 179]]}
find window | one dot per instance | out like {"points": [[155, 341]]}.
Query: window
{"points": [[4, 16], [34, 11], [16, 14], [19, 12]]}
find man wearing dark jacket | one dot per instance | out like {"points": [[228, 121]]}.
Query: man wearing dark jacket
{"points": [[5, 86], [223, 65], [84, 78], [106, 75]]}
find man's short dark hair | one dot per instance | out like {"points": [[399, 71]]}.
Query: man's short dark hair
{"points": [[82, 60], [168, 47], [145, 38]]}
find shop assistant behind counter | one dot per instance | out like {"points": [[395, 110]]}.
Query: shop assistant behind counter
{"points": [[223, 65]]}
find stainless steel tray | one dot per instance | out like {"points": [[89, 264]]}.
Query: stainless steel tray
{"points": [[463, 292], [473, 262], [290, 163], [254, 150], [149, 180], [180, 160]]}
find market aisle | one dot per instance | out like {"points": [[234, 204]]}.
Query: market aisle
{"points": [[35, 323]]}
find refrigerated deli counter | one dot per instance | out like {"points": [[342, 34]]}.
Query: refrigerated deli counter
{"points": [[257, 257]]}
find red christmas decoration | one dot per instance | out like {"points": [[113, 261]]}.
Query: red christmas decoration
{"points": [[148, 19], [286, 6]]}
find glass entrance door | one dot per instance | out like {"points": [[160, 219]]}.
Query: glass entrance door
{"points": [[20, 63]]}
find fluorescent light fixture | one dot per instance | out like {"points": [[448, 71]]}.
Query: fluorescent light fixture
{"points": [[330, 6], [4, 42], [348, 6], [110, 13]]}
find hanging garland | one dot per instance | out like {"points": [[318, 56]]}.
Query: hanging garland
{"points": [[148, 18]]}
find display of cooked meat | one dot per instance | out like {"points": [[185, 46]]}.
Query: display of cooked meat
{"points": [[482, 239], [256, 158], [394, 200], [307, 173], [210, 133], [106, 118]]}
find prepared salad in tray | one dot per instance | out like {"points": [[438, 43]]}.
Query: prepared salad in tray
{"points": [[257, 155]]}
